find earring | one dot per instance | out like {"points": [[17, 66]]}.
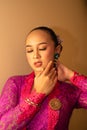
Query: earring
{"points": [[56, 56]]}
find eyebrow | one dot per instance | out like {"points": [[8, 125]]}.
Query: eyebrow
{"points": [[38, 44]]}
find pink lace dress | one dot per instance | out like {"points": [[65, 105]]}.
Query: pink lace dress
{"points": [[16, 114]]}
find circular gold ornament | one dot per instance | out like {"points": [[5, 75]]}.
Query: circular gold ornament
{"points": [[55, 104]]}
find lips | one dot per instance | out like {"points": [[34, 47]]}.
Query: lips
{"points": [[38, 64]]}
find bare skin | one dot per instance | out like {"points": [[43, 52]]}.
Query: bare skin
{"points": [[40, 48], [45, 81], [64, 73]]}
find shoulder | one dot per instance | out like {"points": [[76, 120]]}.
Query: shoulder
{"points": [[20, 77], [16, 78], [69, 89], [14, 83]]}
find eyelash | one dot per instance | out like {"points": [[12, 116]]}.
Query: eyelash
{"points": [[39, 49], [29, 51], [43, 49]]}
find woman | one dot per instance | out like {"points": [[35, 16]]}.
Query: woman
{"points": [[44, 99]]}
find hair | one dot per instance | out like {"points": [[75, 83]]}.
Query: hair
{"points": [[50, 31]]}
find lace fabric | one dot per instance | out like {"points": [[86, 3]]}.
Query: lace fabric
{"points": [[15, 114], [80, 81], [29, 110], [53, 115]]}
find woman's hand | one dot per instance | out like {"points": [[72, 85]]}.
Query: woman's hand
{"points": [[45, 81], [64, 73]]}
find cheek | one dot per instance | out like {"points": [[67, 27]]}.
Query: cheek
{"points": [[49, 55], [29, 59]]}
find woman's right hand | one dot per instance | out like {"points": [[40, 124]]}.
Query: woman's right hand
{"points": [[45, 81]]}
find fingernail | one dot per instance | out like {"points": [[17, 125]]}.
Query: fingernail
{"points": [[51, 61]]}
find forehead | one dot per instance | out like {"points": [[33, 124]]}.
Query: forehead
{"points": [[38, 36]]}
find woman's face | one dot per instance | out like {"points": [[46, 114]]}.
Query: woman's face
{"points": [[40, 49]]}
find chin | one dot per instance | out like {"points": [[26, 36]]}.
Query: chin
{"points": [[38, 69]]}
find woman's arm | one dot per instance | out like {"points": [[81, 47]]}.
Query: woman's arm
{"points": [[13, 115], [81, 82], [67, 75]]}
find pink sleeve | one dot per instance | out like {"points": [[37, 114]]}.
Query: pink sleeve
{"points": [[81, 82], [14, 116]]}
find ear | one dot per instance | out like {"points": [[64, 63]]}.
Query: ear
{"points": [[58, 49]]}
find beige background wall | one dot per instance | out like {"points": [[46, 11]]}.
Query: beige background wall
{"points": [[66, 17]]}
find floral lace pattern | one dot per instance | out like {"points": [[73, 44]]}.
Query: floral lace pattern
{"points": [[29, 110], [16, 114], [53, 115], [81, 82]]}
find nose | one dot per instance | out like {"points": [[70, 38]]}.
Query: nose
{"points": [[36, 55]]}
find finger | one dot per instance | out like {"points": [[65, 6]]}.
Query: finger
{"points": [[55, 79], [48, 68], [59, 63], [39, 73], [52, 72], [54, 75]]}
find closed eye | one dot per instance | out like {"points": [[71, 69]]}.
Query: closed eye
{"points": [[29, 51], [42, 49]]}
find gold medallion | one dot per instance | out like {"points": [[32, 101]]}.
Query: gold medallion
{"points": [[55, 104]]}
